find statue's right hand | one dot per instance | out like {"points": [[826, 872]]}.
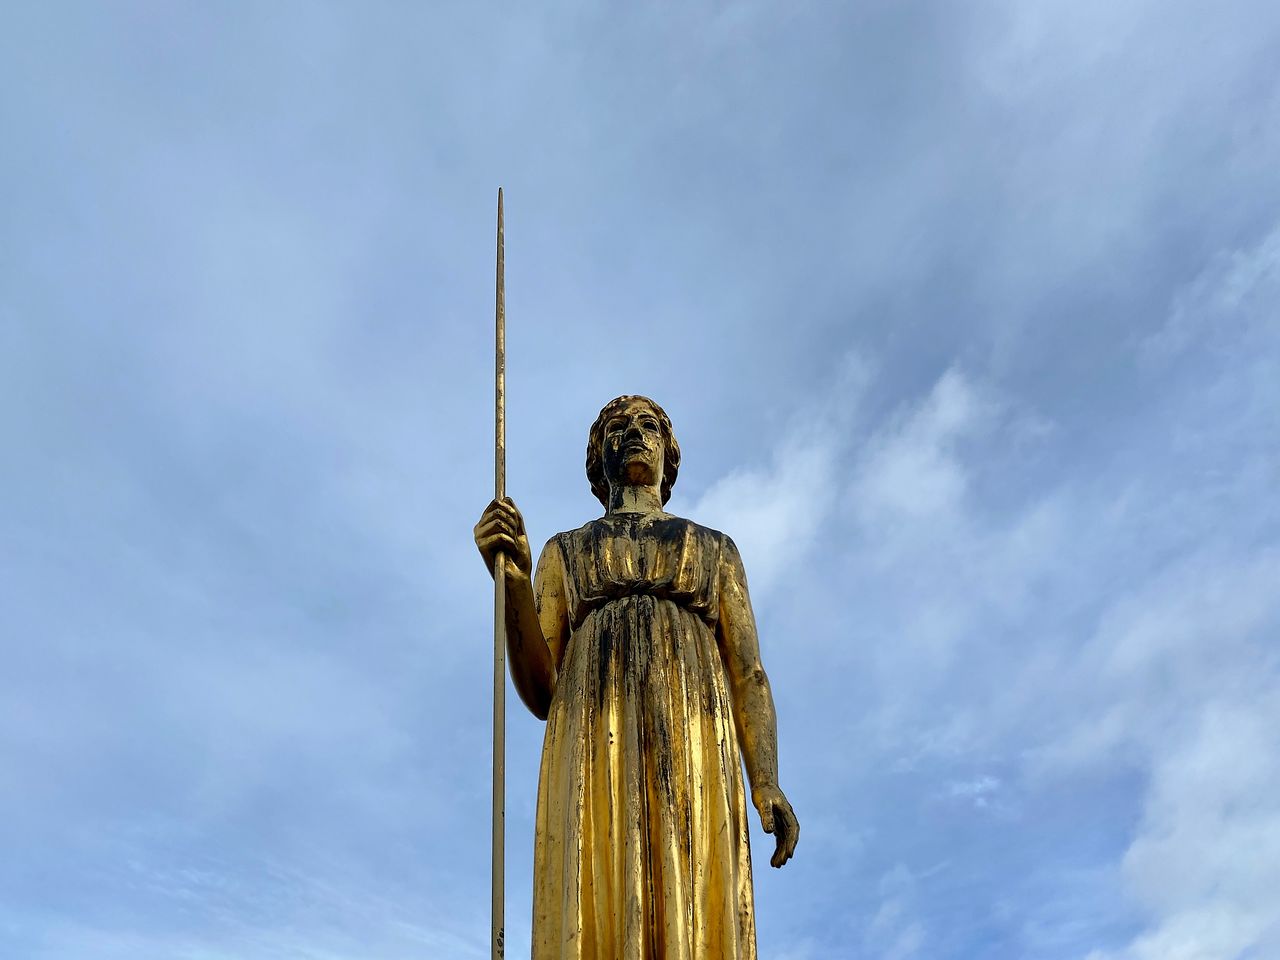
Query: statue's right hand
{"points": [[501, 530]]}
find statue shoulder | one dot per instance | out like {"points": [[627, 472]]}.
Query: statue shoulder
{"points": [[698, 528], [708, 536], [716, 547], [558, 544]]}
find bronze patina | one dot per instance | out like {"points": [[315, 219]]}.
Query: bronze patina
{"points": [[635, 640]]}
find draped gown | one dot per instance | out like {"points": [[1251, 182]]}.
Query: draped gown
{"points": [[641, 850]]}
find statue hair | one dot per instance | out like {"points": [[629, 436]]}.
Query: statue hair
{"points": [[595, 449]]}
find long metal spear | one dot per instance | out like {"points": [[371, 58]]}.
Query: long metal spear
{"points": [[499, 610]]}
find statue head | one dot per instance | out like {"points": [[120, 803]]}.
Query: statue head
{"points": [[632, 442]]}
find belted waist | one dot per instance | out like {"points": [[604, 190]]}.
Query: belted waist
{"points": [[587, 605]]}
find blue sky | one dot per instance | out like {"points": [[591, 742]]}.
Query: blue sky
{"points": [[966, 316]]}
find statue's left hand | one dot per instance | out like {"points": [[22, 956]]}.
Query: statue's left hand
{"points": [[777, 817]]}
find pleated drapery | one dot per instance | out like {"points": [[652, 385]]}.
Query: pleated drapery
{"points": [[641, 850]]}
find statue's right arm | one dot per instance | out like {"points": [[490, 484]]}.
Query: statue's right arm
{"points": [[536, 615]]}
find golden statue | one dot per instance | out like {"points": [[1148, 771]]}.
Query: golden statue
{"points": [[634, 639]]}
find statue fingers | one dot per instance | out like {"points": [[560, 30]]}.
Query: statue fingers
{"points": [[500, 509], [512, 511], [495, 525], [780, 852], [783, 843], [506, 507], [792, 834], [497, 542]]}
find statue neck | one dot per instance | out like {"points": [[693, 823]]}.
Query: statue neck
{"points": [[635, 499]]}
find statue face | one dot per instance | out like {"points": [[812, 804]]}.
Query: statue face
{"points": [[633, 446]]}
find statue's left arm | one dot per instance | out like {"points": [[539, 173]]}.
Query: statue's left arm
{"points": [[753, 710]]}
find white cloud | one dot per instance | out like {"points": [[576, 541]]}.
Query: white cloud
{"points": [[912, 469], [1114, 624], [1180, 677], [895, 932], [1234, 301], [1206, 859], [977, 789], [773, 512]]}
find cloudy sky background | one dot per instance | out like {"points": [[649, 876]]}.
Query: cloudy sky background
{"points": [[968, 318]]}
